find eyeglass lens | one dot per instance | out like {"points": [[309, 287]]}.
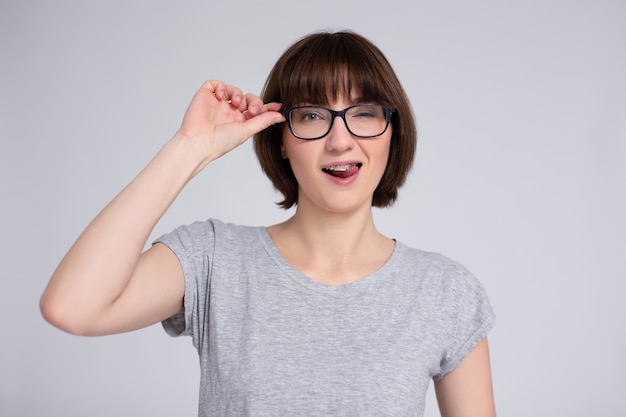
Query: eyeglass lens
{"points": [[311, 122]]}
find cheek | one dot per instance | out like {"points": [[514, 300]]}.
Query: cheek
{"points": [[384, 151], [289, 144], [298, 154], [384, 164]]}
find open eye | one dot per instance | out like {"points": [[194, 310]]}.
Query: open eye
{"points": [[309, 115]]}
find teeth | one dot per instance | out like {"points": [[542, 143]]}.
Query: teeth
{"points": [[339, 167], [343, 167]]}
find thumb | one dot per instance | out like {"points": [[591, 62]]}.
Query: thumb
{"points": [[260, 122]]}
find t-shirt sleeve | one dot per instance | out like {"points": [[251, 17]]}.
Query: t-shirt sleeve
{"points": [[468, 314], [193, 246]]}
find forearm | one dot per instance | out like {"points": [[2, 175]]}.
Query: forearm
{"points": [[104, 284], [98, 267]]}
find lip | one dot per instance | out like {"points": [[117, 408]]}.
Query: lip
{"points": [[342, 180]]}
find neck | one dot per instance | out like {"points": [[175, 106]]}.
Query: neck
{"points": [[335, 234], [335, 248]]}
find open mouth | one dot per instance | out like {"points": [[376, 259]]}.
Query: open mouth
{"points": [[343, 170]]}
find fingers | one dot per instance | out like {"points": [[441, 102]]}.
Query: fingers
{"points": [[272, 107], [256, 114], [224, 92], [260, 122], [215, 87], [253, 106], [249, 103], [259, 116], [221, 90]]}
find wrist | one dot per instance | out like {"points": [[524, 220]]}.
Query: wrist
{"points": [[190, 155]]}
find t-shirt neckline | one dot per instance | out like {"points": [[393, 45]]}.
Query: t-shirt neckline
{"points": [[362, 284]]}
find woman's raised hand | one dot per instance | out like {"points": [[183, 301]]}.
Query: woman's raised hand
{"points": [[105, 284], [220, 117]]}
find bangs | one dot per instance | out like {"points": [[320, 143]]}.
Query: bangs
{"points": [[329, 68], [321, 69]]}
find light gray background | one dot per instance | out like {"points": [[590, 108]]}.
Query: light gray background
{"points": [[520, 176]]}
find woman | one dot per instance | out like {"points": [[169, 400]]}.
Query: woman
{"points": [[318, 315]]}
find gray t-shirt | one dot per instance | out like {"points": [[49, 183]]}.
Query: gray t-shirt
{"points": [[273, 342]]}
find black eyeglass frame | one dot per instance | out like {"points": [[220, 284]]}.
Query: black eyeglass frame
{"points": [[339, 113]]}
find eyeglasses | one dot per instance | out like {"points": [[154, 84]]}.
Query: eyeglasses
{"points": [[361, 120]]}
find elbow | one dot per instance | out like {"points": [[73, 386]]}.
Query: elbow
{"points": [[58, 315]]}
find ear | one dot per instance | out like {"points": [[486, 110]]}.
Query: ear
{"points": [[283, 152]]}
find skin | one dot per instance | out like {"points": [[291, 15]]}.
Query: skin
{"points": [[105, 284], [467, 391], [331, 237]]}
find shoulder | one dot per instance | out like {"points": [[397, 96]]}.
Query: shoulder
{"points": [[433, 263], [442, 276], [208, 228], [207, 235]]}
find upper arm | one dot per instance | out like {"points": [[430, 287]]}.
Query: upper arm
{"points": [[467, 390], [154, 293]]}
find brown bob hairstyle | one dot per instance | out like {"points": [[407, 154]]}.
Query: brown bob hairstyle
{"points": [[319, 69]]}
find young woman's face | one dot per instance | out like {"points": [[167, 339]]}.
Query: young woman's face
{"points": [[339, 172]]}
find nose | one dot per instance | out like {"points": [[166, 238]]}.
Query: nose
{"points": [[339, 138]]}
